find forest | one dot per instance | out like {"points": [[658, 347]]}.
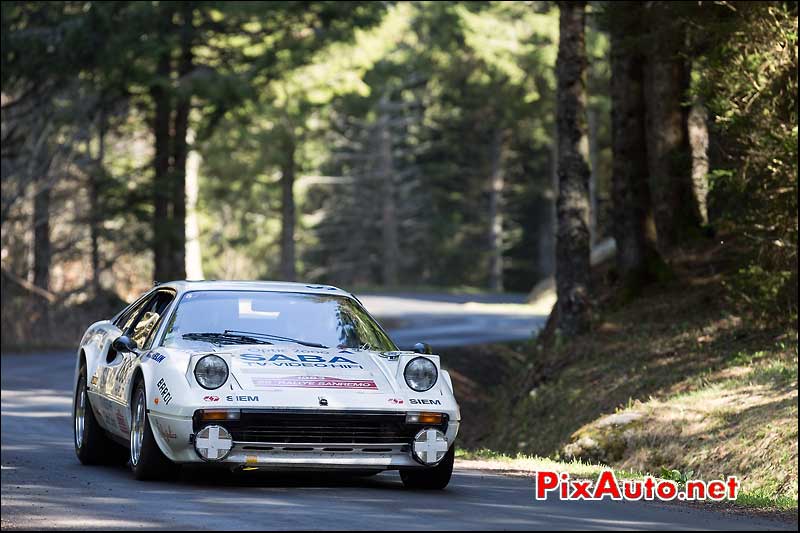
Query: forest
{"points": [[387, 144], [483, 145], [479, 147]]}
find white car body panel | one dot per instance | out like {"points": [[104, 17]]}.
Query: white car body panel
{"points": [[277, 377]]}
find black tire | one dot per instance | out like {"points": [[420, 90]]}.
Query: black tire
{"points": [[151, 463], [432, 478], [92, 445]]}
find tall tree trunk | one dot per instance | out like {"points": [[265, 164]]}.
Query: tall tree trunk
{"points": [[698, 139], [161, 166], [194, 259], [572, 241], [177, 249], [677, 213], [180, 149], [496, 185], [591, 117], [96, 177], [391, 247], [288, 272], [592, 148], [547, 239], [634, 228], [41, 233], [177, 225]]}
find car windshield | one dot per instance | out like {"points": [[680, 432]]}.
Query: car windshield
{"points": [[251, 317]]}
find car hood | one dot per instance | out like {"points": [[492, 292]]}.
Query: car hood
{"points": [[299, 367]]}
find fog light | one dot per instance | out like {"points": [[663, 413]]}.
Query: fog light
{"points": [[213, 443], [430, 446]]}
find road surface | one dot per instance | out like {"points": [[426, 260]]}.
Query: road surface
{"points": [[44, 486], [445, 320]]}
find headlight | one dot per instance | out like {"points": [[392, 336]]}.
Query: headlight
{"points": [[421, 374], [211, 372]]}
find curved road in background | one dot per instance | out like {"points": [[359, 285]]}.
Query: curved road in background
{"points": [[44, 486], [444, 320]]}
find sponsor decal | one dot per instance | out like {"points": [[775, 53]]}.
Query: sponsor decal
{"points": [[94, 380], [251, 459], [424, 401], [123, 425], [164, 391], [395, 401], [211, 398], [299, 360], [155, 356], [167, 433], [315, 382], [242, 398]]}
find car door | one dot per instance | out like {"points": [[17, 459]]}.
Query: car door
{"points": [[113, 366], [141, 327], [142, 332]]}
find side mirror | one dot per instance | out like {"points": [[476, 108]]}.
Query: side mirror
{"points": [[423, 347], [123, 343]]}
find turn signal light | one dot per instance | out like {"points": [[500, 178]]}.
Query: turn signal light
{"points": [[218, 414], [424, 418], [430, 418]]}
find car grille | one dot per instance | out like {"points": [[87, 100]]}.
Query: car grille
{"points": [[323, 427]]}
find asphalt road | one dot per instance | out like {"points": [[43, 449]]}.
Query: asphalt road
{"points": [[445, 320], [44, 486]]}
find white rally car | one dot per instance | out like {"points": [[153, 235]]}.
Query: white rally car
{"points": [[260, 375]]}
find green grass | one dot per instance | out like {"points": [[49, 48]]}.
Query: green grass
{"points": [[532, 463], [763, 499]]}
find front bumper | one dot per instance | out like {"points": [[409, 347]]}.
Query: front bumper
{"points": [[322, 456], [303, 439]]}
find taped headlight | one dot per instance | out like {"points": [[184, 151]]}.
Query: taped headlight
{"points": [[211, 372], [421, 374]]}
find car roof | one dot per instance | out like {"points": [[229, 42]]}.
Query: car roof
{"points": [[267, 286]]}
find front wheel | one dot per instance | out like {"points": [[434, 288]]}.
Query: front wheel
{"points": [[433, 478], [146, 459]]}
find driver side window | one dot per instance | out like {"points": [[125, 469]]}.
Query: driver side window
{"points": [[126, 321], [146, 325]]}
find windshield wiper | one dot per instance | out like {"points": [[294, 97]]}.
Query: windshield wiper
{"points": [[223, 338], [275, 337]]}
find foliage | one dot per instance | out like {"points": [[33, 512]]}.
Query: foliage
{"points": [[747, 75], [676, 475], [447, 95]]}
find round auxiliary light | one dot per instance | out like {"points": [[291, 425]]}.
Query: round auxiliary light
{"points": [[213, 443], [430, 446]]}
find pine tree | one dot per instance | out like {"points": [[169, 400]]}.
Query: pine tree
{"points": [[572, 244]]}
